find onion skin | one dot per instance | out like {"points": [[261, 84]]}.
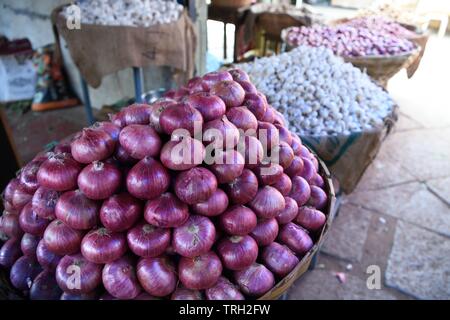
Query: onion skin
{"points": [[239, 75], [223, 290], [120, 212], [148, 179], [76, 210], [247, 86], [296, 238], [268, 135], [47, 259], [267, 203], [99, 180], [102, 246], [230, 92], [30, 222], [228, 166], [308, 171], [44, 203], [242, 118], [109, 127], [220, 133], [318, 181], [279, 259], [145, 240], [238, 220], [16, 195], [318, 198], [285, 154], [214, 77], [200, 272], [268, 174], [244, 188], [254, 281], [284, 185], [157, 276], [157, 108], [289, 212], [237, 253], [195, 237], [90, 274], [301, 191], [10, 252], [297, 146], [195, 185], [214, 206], [29, 244], [10, 225], [137, 113], [256, 103], [120, 280], [123, 156], [252, 150], [23, 272], [310, 218], [195, 85], [180, 116], [45, 287], [269, 115], [59, 172], [210, 106], [265, 232], [166, 211], [61, 239], [92, 145], [28, 176], [295, 168], [186, 294], [140, 141], [182, 154], [284, 134]]}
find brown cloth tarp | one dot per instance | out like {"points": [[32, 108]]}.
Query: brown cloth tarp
{"points": [[99, 50]]}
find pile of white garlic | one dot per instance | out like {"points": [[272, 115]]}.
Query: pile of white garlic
{"points": [[319, 93], [142, 13]]}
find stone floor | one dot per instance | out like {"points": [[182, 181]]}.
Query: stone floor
{"points": [[398, 219]]}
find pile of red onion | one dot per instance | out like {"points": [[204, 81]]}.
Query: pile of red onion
{"points": [[133, 208]]}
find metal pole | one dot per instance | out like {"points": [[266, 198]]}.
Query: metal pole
{"points": [[137, 84], [87, 101]]}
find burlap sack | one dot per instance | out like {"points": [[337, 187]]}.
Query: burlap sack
{"points": [[99, 50]]}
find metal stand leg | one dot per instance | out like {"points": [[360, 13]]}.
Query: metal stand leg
{"points": [[137, 84], [224, 41], [87, 101]]}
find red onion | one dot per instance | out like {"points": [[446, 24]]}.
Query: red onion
{"points": [[186, 294], [29, 244], [269, 174], [289, 212], [30, 222], [157, 275], [279, 259], [28, 176], [23, 272], [211, 107], [295, 168], [47, 259], [297, 146], [166, 211], [230, 92], [284, 185], [237, 252], [80, 296], [310, 218], [242, 118], [92, 145], [304, 152], [76, 210], [44, 203], [45, 287], [10, 225], [318, 198], [211, 78], [16, 194], [285, 154], [194, 85], [180, 116], [61, 239], [75, 274], [228, 165], [134, 114], [120, 280], [120, 212], [267, 203], [300, 191], [269, 115], [248, 86], [265, 231], [255, 281], [214, 206], [195, 237], [308, 172], [252, 150], [62, 147], [182, 154], [296, 238], [239, 75], [318, 181], [103, 246], [315, 163], [99, 180], [244, 188], [268, 135], [195, 185], [10, 252], [109, 127], [123, 156], [158, 107], [284, 133], [279, 119], [200, 272], [148, 179], [221, 133], [140, 141], [256, 103], [238, 220], [224, 290], [146, 240], [59, 172]]}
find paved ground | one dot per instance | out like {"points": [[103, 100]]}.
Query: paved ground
{"points": [[399, 217]]}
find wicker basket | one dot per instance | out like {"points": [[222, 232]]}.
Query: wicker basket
{"points": [[231, 3], [274, 23]]}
